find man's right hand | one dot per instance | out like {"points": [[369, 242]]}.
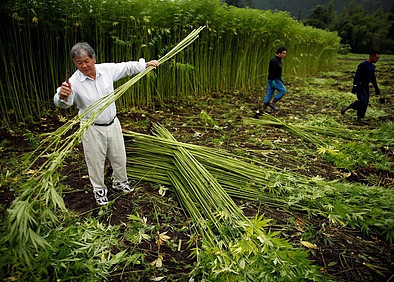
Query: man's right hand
{"points": [[65, 91], [354, 89], [273, 83]]}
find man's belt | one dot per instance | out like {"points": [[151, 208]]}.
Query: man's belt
{"points": [[106, 124]]}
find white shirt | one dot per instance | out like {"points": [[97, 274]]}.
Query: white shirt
{"points": [[85, 90]]}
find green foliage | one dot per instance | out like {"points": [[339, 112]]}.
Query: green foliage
{"points": [[363, 31], [207, 119], [139, 230], [384, 134], [349, 155], [32, 213], [344, 49], [32, 139], [85, 250], [247, 261]]}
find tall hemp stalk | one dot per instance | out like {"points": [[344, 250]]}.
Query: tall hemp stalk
{"points": [[33, 213]]}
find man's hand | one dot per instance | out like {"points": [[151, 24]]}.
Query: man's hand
{"points": [[65, 91], [152, 63], [272, 83], [354, 89], [377, 91]]}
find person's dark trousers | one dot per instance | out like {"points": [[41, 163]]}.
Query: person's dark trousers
{"points": [[362, 103]]}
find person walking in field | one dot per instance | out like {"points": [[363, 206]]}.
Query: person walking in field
{"points": [[104, 138], [365, 74], [275, 80]]}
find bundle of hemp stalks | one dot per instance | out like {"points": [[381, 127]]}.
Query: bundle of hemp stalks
{"points": [[151, 158], [233, 245]]}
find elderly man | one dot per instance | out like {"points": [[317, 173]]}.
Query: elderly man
{"points": [[104, 138]]}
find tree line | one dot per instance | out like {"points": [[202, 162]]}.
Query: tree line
{"points": [[360, 31]]}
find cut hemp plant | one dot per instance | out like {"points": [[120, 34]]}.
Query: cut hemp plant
{"points": [[369, 208], [233, 247]]}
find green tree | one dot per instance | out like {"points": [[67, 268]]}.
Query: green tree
{"points": [[236, 3], [240, 3], [322, 16], [389, 42], [362, 31]]}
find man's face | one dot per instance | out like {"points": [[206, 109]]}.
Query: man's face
{"points": [[374, 58], [282, 55], [85, 64]]}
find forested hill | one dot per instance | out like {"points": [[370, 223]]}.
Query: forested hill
{"points": [[301, 8]]}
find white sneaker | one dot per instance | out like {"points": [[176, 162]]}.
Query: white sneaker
{"points": [[101, 196], [123, 186]]}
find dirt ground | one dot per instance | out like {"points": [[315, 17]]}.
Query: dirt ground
{"points": [[343, 253]]}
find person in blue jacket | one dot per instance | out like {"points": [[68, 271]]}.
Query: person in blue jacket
{"points": [[365, 74], [275, 80]]}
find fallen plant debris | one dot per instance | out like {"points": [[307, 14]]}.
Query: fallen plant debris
{"points": [[343, 154]]}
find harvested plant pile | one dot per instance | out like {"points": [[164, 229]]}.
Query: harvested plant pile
{"points": [[356, 205]]}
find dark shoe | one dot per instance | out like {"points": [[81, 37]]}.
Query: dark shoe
{"points": [[258, 114], [361, 121], [265, 108], [272, 105], [344, 109], [261, 111]]}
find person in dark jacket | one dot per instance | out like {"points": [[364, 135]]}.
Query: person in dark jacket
{"points": [[365, 74], [275, 80]]}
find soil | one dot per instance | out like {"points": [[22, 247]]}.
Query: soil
{"points": [[343, 253]]}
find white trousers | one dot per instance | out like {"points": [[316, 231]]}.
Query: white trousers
{"points": [[100, 142]]}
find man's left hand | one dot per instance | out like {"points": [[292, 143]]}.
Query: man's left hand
{"points": [[152, 63]]}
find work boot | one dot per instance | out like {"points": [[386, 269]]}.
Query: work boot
{"points": [[344, 109], [272, 105]]}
